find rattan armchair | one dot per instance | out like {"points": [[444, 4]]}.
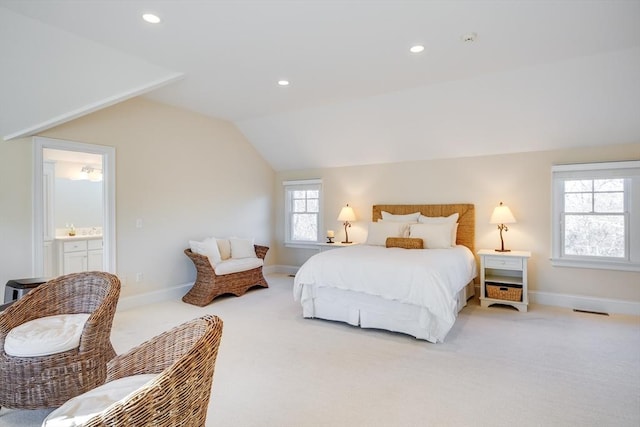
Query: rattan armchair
{"points": [[48, 381], [184, 357], [209, 285]]}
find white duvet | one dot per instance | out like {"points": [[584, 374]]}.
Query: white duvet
{"points": [[429, 278]]}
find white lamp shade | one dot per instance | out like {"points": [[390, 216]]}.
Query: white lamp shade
{"points": [[502, 215], [347, 214]]}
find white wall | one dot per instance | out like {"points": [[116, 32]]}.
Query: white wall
{"points": [[15, 211], [521, 181], [185, 175]]}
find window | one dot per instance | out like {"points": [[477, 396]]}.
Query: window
{"points": [[303, 201], [596, 207]]}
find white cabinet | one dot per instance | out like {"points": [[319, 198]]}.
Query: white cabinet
{"points": [[80, 255], [503, 278], [74, 262], [94, 255], [74, 256]]}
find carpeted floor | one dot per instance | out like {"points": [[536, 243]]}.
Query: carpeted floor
{"points": [[497, 367]]}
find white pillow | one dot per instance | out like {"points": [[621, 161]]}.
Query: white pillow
{"points": [[405, 226], [46, 335], [242, 248], [76, 411], [438, 219], [224, 247], [435, 236], [379, 231], [208, 247], [196, 247], [400, 218], [451, 219], [454, 234]]}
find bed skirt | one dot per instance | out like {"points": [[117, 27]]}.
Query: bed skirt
{"points": [[368, 311]]}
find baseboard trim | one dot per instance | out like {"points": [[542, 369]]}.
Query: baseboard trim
{"points": [[605, 305], [178, 291]]}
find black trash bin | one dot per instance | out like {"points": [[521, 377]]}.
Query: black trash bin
{"points": [[17, 288]]}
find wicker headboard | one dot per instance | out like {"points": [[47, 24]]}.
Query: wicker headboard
{"points": [[466, 221]]}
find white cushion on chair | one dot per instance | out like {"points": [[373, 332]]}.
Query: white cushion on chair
{"points": [[46, 335], [237, 265], [78, 410]]}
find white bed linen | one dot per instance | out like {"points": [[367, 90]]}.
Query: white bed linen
{"points": [[427, 278]]}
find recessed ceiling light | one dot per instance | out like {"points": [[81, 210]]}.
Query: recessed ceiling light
{"points": [[151, 18], [416, 49], [283, 82]]}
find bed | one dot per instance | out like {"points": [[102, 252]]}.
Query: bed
{"points": [[418, 292]]}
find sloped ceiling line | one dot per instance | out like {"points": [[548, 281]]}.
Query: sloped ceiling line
{"points": [[94, 106]]}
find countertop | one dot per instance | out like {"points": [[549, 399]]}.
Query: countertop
{"points": [[80, 237]]}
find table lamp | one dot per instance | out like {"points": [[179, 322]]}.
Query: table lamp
{"points": [[347, 215], [502, 215]]}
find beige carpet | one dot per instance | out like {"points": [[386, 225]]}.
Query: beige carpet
{"points": [[497, 367]]}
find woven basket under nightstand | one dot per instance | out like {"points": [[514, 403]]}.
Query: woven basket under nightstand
{"points": [[509, 293]]}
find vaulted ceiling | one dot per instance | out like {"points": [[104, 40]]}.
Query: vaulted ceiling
{"points": [[537, 75]]}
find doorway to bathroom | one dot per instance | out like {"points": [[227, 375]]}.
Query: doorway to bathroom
{"points": [[74, 207]]}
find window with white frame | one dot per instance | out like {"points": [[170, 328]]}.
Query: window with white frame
{"points": [[303, 201], [596, 215]]}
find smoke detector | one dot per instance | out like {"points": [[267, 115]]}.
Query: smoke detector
{"points": [[469, 37]]}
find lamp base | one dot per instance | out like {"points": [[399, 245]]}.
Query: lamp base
{"points": [[503, 250], [346, 242]]}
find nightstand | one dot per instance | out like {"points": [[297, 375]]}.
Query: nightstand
{"points": [[328, 246], [503, 278]]}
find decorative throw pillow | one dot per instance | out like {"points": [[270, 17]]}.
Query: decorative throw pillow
{"points": [[405, 226], [435, 236], [405, 243], [242, 248], [225, 248], [208, 247], [196, 247], [379, 231]]}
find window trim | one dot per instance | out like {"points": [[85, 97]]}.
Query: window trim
{"points": [[622, 169], [291, 186]]}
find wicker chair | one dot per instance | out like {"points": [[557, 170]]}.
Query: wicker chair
{"points": [[208, 285], [48, 381], [184, 358]]}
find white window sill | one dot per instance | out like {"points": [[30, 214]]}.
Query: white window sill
{"points": [[600, 265], [296, 245]]}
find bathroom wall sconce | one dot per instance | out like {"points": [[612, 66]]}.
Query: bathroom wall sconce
{"points": [[89, 173]]}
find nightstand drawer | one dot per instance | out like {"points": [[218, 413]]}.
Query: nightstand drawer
{"points": [[503, 262]]}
